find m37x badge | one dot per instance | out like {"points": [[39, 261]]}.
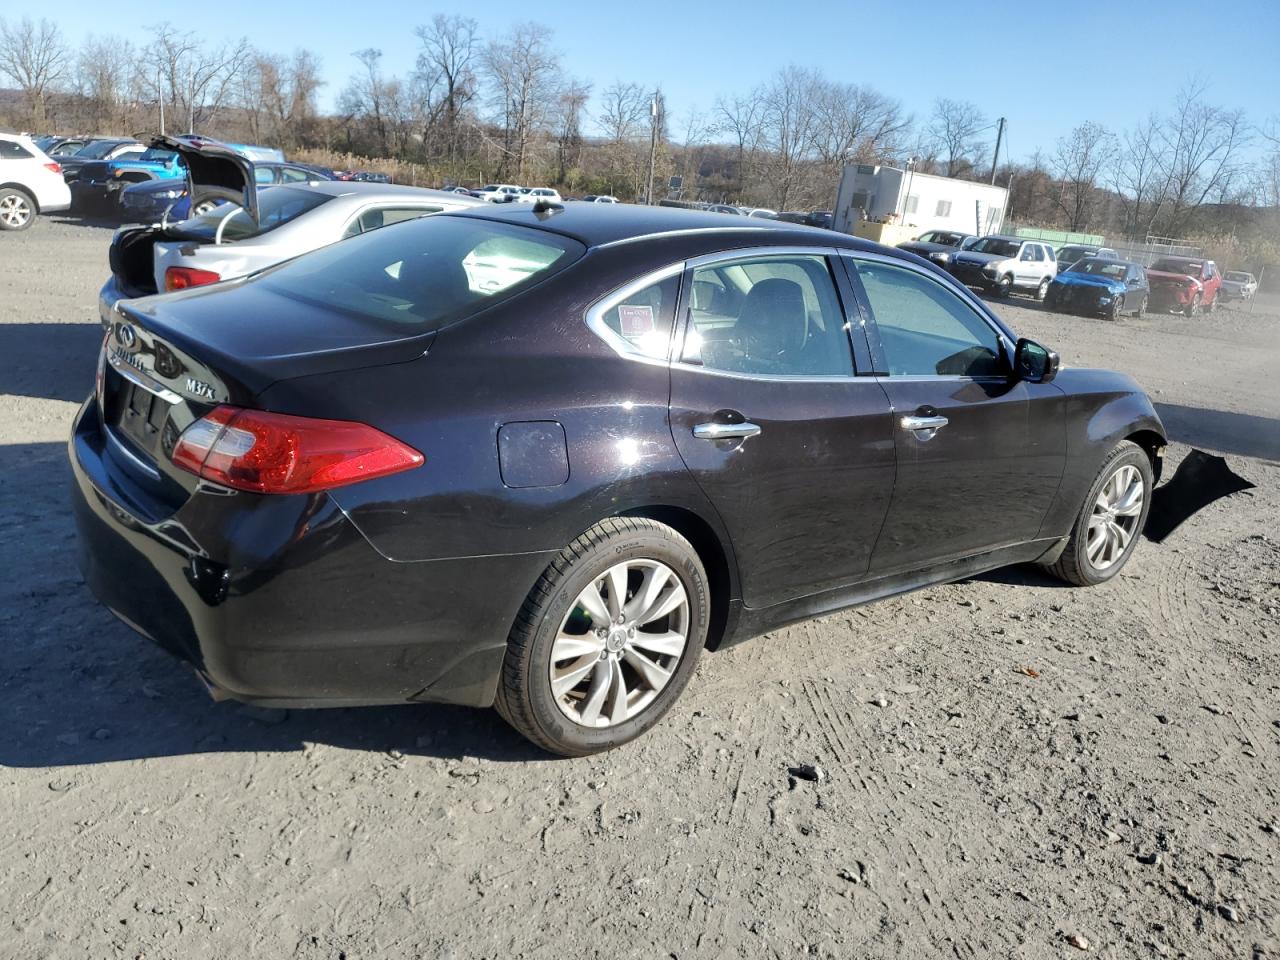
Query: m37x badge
{"points": [[200, 389]]}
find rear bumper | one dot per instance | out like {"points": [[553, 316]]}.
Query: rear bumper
{"points": [[282, 601]]}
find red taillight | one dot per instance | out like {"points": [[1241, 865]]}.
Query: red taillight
{"points": [[180, 278], [53, 167], [275, 453]]}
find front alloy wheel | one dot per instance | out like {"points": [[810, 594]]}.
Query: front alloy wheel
{"points": [[1043, 289], [1117, 308], [1109, 524], [1004, 286], [16, 210], [607, 639], [1193, 308]]}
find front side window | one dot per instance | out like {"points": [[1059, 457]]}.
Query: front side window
{"points": [[768, 316], [425, 273], [926, 330]]}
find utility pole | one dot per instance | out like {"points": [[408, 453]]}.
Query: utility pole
{"points": [[996, 156], [160, 100], [653, 145]]}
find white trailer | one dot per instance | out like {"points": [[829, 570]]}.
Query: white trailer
{"points": [[919, 201]]}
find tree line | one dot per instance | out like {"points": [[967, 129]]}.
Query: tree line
{"points": [[505, 107]]}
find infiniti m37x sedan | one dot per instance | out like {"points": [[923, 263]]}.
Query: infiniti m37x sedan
{"points": [[539, 457]]}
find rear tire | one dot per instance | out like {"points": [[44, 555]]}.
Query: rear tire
{"points": [[1110, 521], [1142, 307], [17, 209], [577, 683]]}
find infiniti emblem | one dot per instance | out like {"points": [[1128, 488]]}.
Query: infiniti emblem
{"points": [[126, 336]]}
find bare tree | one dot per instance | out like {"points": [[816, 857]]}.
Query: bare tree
{"points": [[571, 105], [1078, 162], [1203, 144], [855, 124], [954, 128], [788, 127], [445, 80], [37, 59], [741, 117], [523, 73], [371, 100], [105, 73], [278, 96], [194, 78], [1138, 173]]}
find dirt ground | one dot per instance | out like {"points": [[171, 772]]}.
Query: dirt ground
{"points": [[1009, 765]]}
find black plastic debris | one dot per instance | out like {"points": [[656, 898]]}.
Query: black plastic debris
{"points": [[1200, 479]]}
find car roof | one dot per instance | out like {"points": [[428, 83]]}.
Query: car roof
{"points": [[596, 225]]}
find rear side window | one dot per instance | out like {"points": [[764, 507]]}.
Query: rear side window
{"points": [[420, 275], [12, 150], [768, 316], [643, 317]]}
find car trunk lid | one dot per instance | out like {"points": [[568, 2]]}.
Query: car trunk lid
{"points": [[168, 361]]}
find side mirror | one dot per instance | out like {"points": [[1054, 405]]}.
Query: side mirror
{"points": [[1034, 363]]}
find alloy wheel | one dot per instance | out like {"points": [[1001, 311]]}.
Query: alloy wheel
{"points": [[1114, 520], [15, 211], [620, 643], [1042, 290]]}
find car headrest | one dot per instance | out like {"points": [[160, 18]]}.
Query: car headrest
{"points": [[774, 320]]}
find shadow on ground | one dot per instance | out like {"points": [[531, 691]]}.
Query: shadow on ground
{"points": [[78, 687], [51, 361], [1240, 433]]}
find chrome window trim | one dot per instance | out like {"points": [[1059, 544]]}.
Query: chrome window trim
{"points": [[965, 295], [620, 344], [685, 232]]}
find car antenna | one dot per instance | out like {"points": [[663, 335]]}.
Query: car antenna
{"points": [[548, 207]]}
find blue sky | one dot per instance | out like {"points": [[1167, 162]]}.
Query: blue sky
{"points": [[1045, 71]]}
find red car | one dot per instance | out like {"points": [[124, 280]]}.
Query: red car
{"points": [[1184, 285]]}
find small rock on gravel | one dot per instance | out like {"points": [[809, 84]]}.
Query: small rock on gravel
{"points": [[1229, 913], [1079, 942], [1214, 709], [1150, 859], [808, 771]]}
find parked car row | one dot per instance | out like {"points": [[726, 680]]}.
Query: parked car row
{"points": [[1080, 278]]}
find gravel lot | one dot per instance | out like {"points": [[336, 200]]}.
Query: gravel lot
{"points": [[1009, 766]]}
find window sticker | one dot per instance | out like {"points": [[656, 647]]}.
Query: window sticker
{"points": [[636, 320]]}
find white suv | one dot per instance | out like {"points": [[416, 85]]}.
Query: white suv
{"points": [[1001, 265], [499, 193], [30, 183]]}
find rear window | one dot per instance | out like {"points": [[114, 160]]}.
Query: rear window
{"points": [[276, 207], [419, 275]]}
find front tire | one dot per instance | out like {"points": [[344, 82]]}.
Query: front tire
{"points": [[1110, 522], [1193, 308], [17, 209], [1042, 290], [1117, 308], [1004, 286], [607, 639]]}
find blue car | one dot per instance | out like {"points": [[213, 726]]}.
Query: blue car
{"points": [[150, 202], [102, 182], [1100, 286]]}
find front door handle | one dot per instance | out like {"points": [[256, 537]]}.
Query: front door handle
{"points": [[725, 431], [923, 423]]}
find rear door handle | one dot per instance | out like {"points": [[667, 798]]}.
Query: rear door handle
{"points": [[923, 423], [725, 431]]}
